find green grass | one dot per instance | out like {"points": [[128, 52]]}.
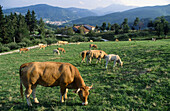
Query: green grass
{"points": [[141, 84]]}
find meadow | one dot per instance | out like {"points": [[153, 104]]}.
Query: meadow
{"points": [[143, 83]]}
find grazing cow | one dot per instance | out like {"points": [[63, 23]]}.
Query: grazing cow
{"points": [[50, 74], [61, 49], [56, 51], [83, 54], [23, 49], [113, 57], [93, 45], [117, 40], [63, 42], [153, 39], [130, 39], [43, 46], [98, 54], [91, 40]]}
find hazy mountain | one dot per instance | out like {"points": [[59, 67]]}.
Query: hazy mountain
{"points": [[111, 9], [52, 13], [118, 17]]}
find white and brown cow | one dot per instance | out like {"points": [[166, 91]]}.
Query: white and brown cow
{"points": [[98, 54], [56, 51], [62, 50], [113, 57], [50, 74]]}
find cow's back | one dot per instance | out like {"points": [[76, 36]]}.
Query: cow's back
{"points": [[48, 73]]}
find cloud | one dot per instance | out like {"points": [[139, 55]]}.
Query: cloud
{"points": [[82, 3]]}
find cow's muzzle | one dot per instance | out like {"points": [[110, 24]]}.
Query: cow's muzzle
{"points": [[85, 103]]}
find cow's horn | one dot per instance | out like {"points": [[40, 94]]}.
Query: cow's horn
{"points": [[78, 90], [91, 86]]}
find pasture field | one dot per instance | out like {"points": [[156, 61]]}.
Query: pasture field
{"points": [[143, 83]]}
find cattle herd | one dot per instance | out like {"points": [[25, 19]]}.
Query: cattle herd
{"points": [[65, 75]]}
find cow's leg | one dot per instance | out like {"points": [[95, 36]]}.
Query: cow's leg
{"points": [[107, 61], [66, 93], [62, 93], [114, 63], [34, 95], [28, 92]]}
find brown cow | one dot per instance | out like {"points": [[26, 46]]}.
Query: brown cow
{"points": [[83, 54], [43, 46], [23, 49], [93, 45], [50, 74], [117, 40], [61, 49], [98, 54]]}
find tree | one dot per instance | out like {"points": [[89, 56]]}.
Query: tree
{"points": [[161, 26], [125, 26], [22, 31], [136, 22], [150, 25], [116, 28], [158, 27], [108, 26], [28, 20], [70, 31], [42, 28], [81, 30], [33, 25], [103, 27], [2, 25]]}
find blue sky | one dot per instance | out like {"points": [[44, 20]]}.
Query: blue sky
{"points": [[87, 4]]}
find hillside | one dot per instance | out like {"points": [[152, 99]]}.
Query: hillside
{"points": [[142, 84], [111, 9], [52, 13], [118, 17]]}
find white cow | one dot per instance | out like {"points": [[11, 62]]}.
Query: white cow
{"points": [[113, 57], [56, 51]]}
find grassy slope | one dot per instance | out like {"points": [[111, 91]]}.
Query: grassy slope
{"points": [[142, 83]]}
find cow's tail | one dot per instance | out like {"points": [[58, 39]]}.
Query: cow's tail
{"points": [[21, 87]]}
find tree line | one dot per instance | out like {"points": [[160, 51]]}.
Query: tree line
{"points": [[160, 25], [16, 27]]}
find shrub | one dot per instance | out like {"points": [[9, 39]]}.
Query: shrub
{"points": [[12, 45], [50, 40], [3, 48], [22, 44], [36, 41], [27, 41]]}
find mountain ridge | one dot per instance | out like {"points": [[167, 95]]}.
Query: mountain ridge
{"points": [[52, 13], [118, 17]]}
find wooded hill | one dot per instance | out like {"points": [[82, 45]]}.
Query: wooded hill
{"points": [[53, 13], [118, 17]]}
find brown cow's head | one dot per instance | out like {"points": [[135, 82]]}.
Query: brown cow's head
{"points": [[83, 93]]}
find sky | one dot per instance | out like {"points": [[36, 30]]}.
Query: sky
{"points": [[86, 4]]}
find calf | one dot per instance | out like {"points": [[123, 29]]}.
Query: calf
{"points": [[43, 46], [98, 54], [62, 50], [23, 49], [50, 74], [113, 57], [93, 45], [56, 51]]}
